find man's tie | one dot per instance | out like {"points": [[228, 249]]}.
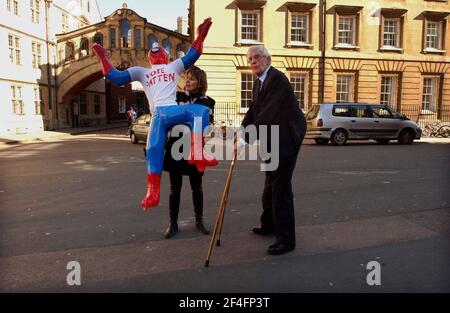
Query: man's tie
{"points": [[256, 89]]}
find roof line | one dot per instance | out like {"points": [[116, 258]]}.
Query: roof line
{"points": [[163, 29]]}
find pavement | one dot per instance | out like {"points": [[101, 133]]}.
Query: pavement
{"points": [[435, 140], [9, 140]]}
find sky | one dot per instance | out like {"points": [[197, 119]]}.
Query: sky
{"points": [[160, 12]]}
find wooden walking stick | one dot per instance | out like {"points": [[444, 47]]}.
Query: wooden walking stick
{"points": [[221, 212]]}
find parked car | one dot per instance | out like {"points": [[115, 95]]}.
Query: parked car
{"points": [[340, 122], [139, 129]]}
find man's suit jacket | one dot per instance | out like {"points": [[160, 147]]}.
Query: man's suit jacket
{"points": [[276, 104]]}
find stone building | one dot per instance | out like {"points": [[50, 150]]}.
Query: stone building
{"points": [[27, 76], [128, 38], [390, 52]]}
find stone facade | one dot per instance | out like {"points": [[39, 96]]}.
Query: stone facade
{"points": [[128, 37], [392, 52], [27, 78]]}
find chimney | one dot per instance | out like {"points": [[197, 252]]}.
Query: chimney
{"points": [[182, 25]]}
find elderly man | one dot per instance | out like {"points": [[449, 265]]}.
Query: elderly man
{"points": [[274, 103]]}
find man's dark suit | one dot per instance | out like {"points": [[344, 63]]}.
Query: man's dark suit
{"points": [[276, 104]]}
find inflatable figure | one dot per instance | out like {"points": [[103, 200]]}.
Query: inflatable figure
{"points": [[160, 83]]}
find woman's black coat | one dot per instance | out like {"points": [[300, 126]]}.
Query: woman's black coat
{"points": [[182, 167]]}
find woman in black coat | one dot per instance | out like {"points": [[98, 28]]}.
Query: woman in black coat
{"points": [[195, 92]]}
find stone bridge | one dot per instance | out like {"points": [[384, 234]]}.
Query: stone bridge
{"points": [[127, 37]]}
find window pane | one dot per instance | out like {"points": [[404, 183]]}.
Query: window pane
{"points": [[112, 37], [299, 28], [125, 27], [391, 32], [167, 45], [388, 91], [341, 110], [429, 97], [83, 103], [137, 38], [344, 88], [98, 38], [298, 82], [381, 112], [249, 26], [346, 30], [151, 39], [433, 37], [247, 80]]}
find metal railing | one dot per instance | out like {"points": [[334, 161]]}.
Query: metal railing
{"points": [[429, 120], [433, 123], [227, 114]]}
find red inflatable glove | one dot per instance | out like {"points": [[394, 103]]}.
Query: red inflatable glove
{"points": [[203, 28], [102, 56], [202, 32]]}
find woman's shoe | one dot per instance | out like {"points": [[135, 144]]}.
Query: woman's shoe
{"points": [[171, 231]]}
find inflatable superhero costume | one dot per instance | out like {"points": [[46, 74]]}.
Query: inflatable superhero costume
{"points": [[160, 83]]}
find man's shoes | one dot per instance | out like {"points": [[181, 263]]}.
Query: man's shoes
{"points": [[171, 231], [201, 227], [263, 231], [279, 248]]}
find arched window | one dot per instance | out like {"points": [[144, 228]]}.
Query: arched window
{"points": [[125, 33], [181, 50], [112, 38], [84, 47], [137, 38], [98, 38], [167, 45], [70, 51], [150, 40], [181, 47]]}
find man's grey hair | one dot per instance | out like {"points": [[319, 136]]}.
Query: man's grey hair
{"points": [[262, 51]]}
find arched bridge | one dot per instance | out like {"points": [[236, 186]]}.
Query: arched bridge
{"points": [[126, 35]]}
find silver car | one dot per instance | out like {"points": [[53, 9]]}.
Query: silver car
{"points": [[139, 129], [340, 122]]}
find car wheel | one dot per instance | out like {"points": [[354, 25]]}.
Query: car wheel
{"points": [[339, 137], [406, 137], [382, 141], [321, 141], [133, 138]]}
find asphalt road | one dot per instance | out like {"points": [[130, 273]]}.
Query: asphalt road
{"points": [[78, 200]]}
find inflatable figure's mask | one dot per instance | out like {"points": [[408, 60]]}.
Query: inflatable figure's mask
{"points": [[157, 55]]}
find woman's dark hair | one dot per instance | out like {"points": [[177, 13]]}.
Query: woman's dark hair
{"points": [[199, 75]]}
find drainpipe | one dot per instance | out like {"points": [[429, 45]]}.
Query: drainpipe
{"points": [[323, 8], [55, 121], [56, 92], [49, 71]]}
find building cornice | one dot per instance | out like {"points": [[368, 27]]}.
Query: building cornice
{"points": [[18, 31]]}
